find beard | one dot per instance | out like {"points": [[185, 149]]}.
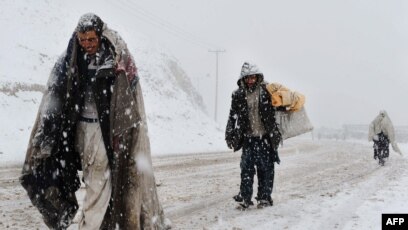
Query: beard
{"points": [[251, 88]]}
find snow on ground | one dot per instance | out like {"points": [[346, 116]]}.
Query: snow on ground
{"points": [[329, 185], [17, 115], [318, 185]]}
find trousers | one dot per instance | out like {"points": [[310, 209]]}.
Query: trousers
{"points": [[257, 152], [96, 174]]}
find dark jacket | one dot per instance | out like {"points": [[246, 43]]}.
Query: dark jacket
{"points": [[238, 120], [51, 180]]}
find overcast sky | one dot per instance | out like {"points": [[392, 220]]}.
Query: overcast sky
{"points": [[348, 57]]}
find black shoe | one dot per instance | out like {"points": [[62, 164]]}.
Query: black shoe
{"points": [[238, 198], [264, 203], [246, 204]]}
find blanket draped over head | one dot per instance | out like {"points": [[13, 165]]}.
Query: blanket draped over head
{"points": [[51, 179], [382, 123]]}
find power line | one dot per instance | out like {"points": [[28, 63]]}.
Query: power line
{"points": [[168, 24], [144, 15]]}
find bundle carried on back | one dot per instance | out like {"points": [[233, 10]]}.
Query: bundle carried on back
{"points": [[293, 121]]}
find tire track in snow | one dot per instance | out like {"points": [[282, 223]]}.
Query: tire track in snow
{"points": [[196, 190], [301, 176], [378, 179], [193, 208]]}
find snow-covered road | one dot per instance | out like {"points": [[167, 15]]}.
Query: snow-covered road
{"points": [[318, 185]]}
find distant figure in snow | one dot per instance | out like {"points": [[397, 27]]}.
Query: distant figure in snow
{"points": [[92, 119], [381, 131], [252, 127]]}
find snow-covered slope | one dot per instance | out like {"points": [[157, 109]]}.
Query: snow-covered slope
{"points": [[36, 32]]}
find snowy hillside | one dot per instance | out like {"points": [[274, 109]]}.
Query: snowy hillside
{"points": [[35, 33]]}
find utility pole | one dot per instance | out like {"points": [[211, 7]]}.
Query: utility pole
{"points": [[216, 80]]}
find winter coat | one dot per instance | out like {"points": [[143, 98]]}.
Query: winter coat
{"points": [[51, 178], [238, 121], [382, 123]]}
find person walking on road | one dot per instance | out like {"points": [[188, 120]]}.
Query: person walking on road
{"points": [[92, 119], [252, 127], [381, 132]]}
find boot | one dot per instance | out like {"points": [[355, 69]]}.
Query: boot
{"points": [[264, 203], [238, 198], [246, 204]]}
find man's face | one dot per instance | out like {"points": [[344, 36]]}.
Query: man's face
{"points": [[251, 80], [89, 41]]}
